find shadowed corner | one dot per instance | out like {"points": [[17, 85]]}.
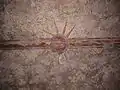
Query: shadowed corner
{"points": [[116, 4], [14, 84], [116, 80], [2, 4]]}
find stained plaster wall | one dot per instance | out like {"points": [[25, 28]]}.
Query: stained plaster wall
{"points": [[75, 69]]}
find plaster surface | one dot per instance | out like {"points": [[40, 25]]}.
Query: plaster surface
{"points": [[75, 69]]}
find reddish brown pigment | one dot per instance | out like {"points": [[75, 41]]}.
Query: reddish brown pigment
{"points": [[58, 43]]}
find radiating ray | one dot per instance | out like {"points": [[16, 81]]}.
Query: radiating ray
{"points": [[64, 29], [70, 31], [48, 32], [57, 31]]}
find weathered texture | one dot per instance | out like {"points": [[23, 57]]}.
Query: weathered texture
{"points": [[75, 69]]}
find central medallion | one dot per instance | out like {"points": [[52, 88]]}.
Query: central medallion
{"points": [[59, 43]]}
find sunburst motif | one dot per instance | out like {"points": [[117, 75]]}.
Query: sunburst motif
{"points": [[59, 41]]}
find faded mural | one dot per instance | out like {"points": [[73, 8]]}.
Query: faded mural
{"points": [[74, 69]]}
